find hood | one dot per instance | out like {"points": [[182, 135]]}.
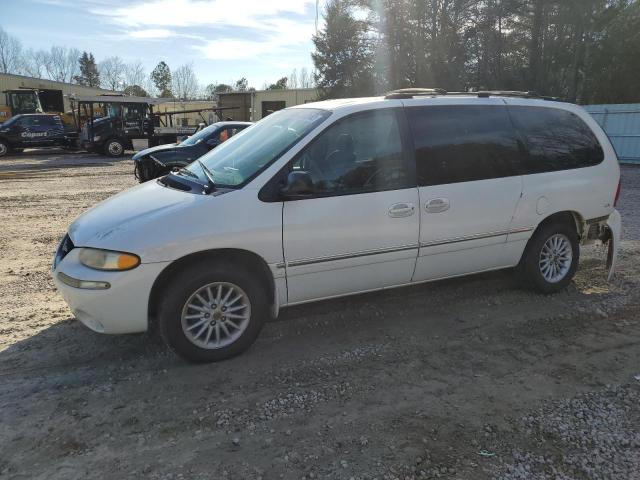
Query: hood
{"points": [[126, 211], [158, 148]]}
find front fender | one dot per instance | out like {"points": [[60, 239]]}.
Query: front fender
{"points": [[614, 224]]}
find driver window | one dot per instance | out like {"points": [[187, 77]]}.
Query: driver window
{"points": [[361, 153]]}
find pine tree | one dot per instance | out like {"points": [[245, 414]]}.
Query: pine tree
{"points": [[161, 77], [89, 75], [343, 54]]}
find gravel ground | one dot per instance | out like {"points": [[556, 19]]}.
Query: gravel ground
{"points": [[464, 379]]}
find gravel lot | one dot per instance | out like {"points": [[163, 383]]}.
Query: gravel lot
{"points": [[463, 379]]}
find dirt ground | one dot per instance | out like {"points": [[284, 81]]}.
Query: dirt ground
{"points": [[463, 379]]}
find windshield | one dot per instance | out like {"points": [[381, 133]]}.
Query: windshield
{"points": [[201, 135], [9, 122], [24, 102], [240, 158]]}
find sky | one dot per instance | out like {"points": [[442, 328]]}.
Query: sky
{"points": [[224, 40]]}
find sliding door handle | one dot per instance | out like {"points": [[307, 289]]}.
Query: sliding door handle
{"points": [[437, 205]]}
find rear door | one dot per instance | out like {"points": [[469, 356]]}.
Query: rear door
{"points": [[467, 159], [359, 231]]}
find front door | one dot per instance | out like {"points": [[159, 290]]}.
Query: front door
{"points": [[467, 161], [134, 115], [38, 130], [359, 230]]}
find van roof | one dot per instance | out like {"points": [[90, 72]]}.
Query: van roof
{"points": [[438, 95]]}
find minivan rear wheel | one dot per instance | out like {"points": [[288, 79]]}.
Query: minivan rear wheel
{"points": [[211, 313], [551, 258]]}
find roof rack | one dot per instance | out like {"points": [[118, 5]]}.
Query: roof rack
{"points": [[406, 93], [508, 93], [414, 92]]}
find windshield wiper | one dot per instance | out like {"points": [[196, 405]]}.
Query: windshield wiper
{"points": [[187, 172], [208, 174]]}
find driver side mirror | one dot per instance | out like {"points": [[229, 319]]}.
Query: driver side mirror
{"points": [[299, 185]]}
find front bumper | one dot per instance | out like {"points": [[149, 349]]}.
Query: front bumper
{"points": [[120, 308]]}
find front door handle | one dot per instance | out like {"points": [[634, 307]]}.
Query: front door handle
{"points": [[402, 209], [437, 205]]}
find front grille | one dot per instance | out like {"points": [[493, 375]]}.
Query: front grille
{"points": [[66, 245]]}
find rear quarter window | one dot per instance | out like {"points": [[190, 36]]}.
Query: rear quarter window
{"points": [[555, 139]]}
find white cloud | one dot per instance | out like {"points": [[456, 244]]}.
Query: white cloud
{"points": [[274, 31], [274, 39], [189, 13], [152, 33]]}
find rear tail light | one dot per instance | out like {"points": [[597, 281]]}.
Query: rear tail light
{"points": [[615, 201]]}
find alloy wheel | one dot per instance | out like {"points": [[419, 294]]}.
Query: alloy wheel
{"points": [[556, 257], [216, 315]]}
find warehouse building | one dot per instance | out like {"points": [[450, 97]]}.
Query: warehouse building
{"points": [[253, 106], [54, 96]]}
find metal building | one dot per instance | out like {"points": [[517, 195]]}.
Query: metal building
{"points": [[621, 122], [253, 106], [54, 96]]}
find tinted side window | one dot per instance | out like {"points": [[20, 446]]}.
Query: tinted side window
{"points": [[463, 143], [556, 139], [27, 122], [361, 153], [51, 121]]}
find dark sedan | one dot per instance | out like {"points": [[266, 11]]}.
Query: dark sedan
{"points": [[158, 161]]}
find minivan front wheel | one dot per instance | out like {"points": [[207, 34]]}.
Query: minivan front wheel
{"points": [[211, 314], [551, 258]]}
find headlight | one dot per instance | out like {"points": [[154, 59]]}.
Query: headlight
{"points": [[108, 260]]}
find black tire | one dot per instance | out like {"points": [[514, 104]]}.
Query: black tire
{"points": [[180, 290], [529, 269], [4, 148], [145, 170], [114, 148]]}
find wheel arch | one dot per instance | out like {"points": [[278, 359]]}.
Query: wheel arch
{"points": [[570, 217], [250, 260]]}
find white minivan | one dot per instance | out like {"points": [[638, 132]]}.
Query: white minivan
{"points": [[343, 197]]}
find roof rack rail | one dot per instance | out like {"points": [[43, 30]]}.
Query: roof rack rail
{"points": [[511, 93], [507, 93], [414, 92]]}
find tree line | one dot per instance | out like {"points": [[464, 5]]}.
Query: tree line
{"points": [[69, 65], [585, 51]]}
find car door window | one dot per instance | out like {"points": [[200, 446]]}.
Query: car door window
{"points": [[28, 122], [360, 153], [462, 143], [226, 133]]}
